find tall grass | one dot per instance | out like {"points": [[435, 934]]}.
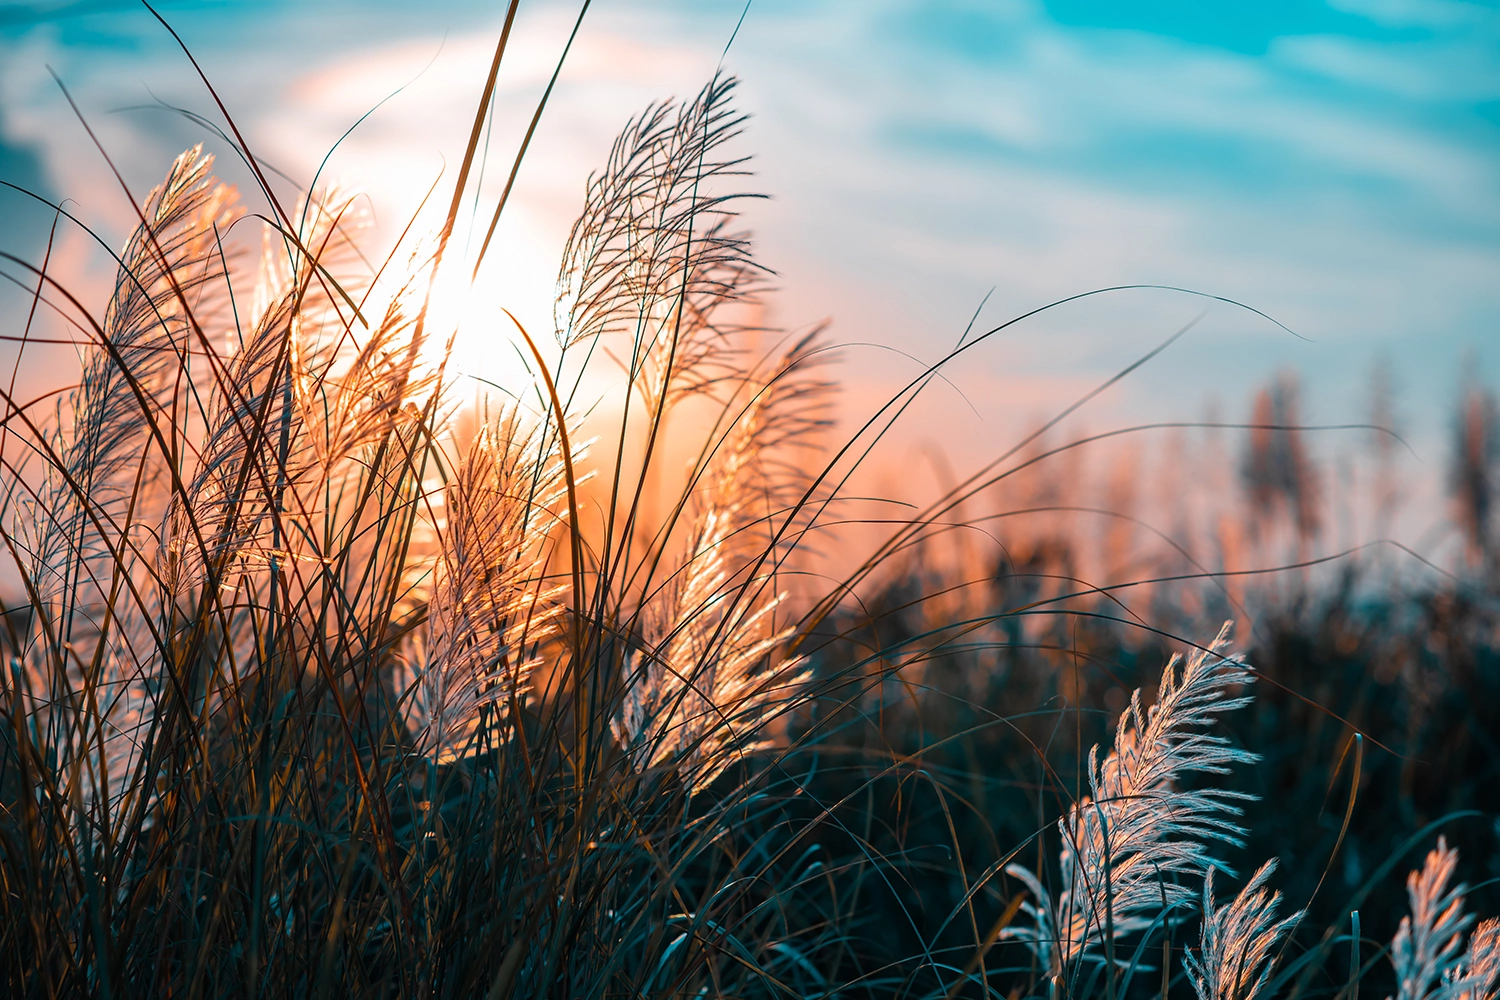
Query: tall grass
{"points": [[324, 682]]}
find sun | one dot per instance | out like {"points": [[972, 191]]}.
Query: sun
{"points": [[468, 329]]}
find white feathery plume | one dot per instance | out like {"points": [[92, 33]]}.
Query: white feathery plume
{"points": [[1477, 976], [650, 231], [1236, 943], [1138, 826], [259, 439], [698, 697], [699, 694], [99, 482], [367, 398], [491, 601], [355, 396], [1426, 945], [230, 494], [652, 255], [353, 385], [240, 514], [146, 323], [1426, 949]]}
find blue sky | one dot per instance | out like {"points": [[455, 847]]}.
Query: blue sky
{"points": [[1336, 165]]}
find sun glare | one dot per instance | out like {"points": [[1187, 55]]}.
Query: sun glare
{"points": [[467, 323]]}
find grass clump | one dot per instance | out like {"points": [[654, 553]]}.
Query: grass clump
{"points": [[318, 685]]}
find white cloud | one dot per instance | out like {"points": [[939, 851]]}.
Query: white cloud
{"points": [[1435, 14]]}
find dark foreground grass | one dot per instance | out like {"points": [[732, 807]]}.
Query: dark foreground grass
{"points": [[1399, 691]]}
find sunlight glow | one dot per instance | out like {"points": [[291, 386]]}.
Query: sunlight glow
{"points": [[486, 356]]}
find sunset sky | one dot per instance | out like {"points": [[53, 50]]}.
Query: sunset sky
{"points": [[1335, 165]]}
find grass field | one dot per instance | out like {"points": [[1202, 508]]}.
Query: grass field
{"points": [[324, 678]]}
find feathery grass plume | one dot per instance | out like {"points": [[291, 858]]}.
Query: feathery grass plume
{"points": [[1138, 826], [352, 398], [652, 255], [92, 666], [1235, 961], [789, 411], [699, 695], [492, 604], [372, 406], [273, 410], [167, 270], [278, 550], [1426, 947], [1477, 976], [653, 258], [228, 496]]}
